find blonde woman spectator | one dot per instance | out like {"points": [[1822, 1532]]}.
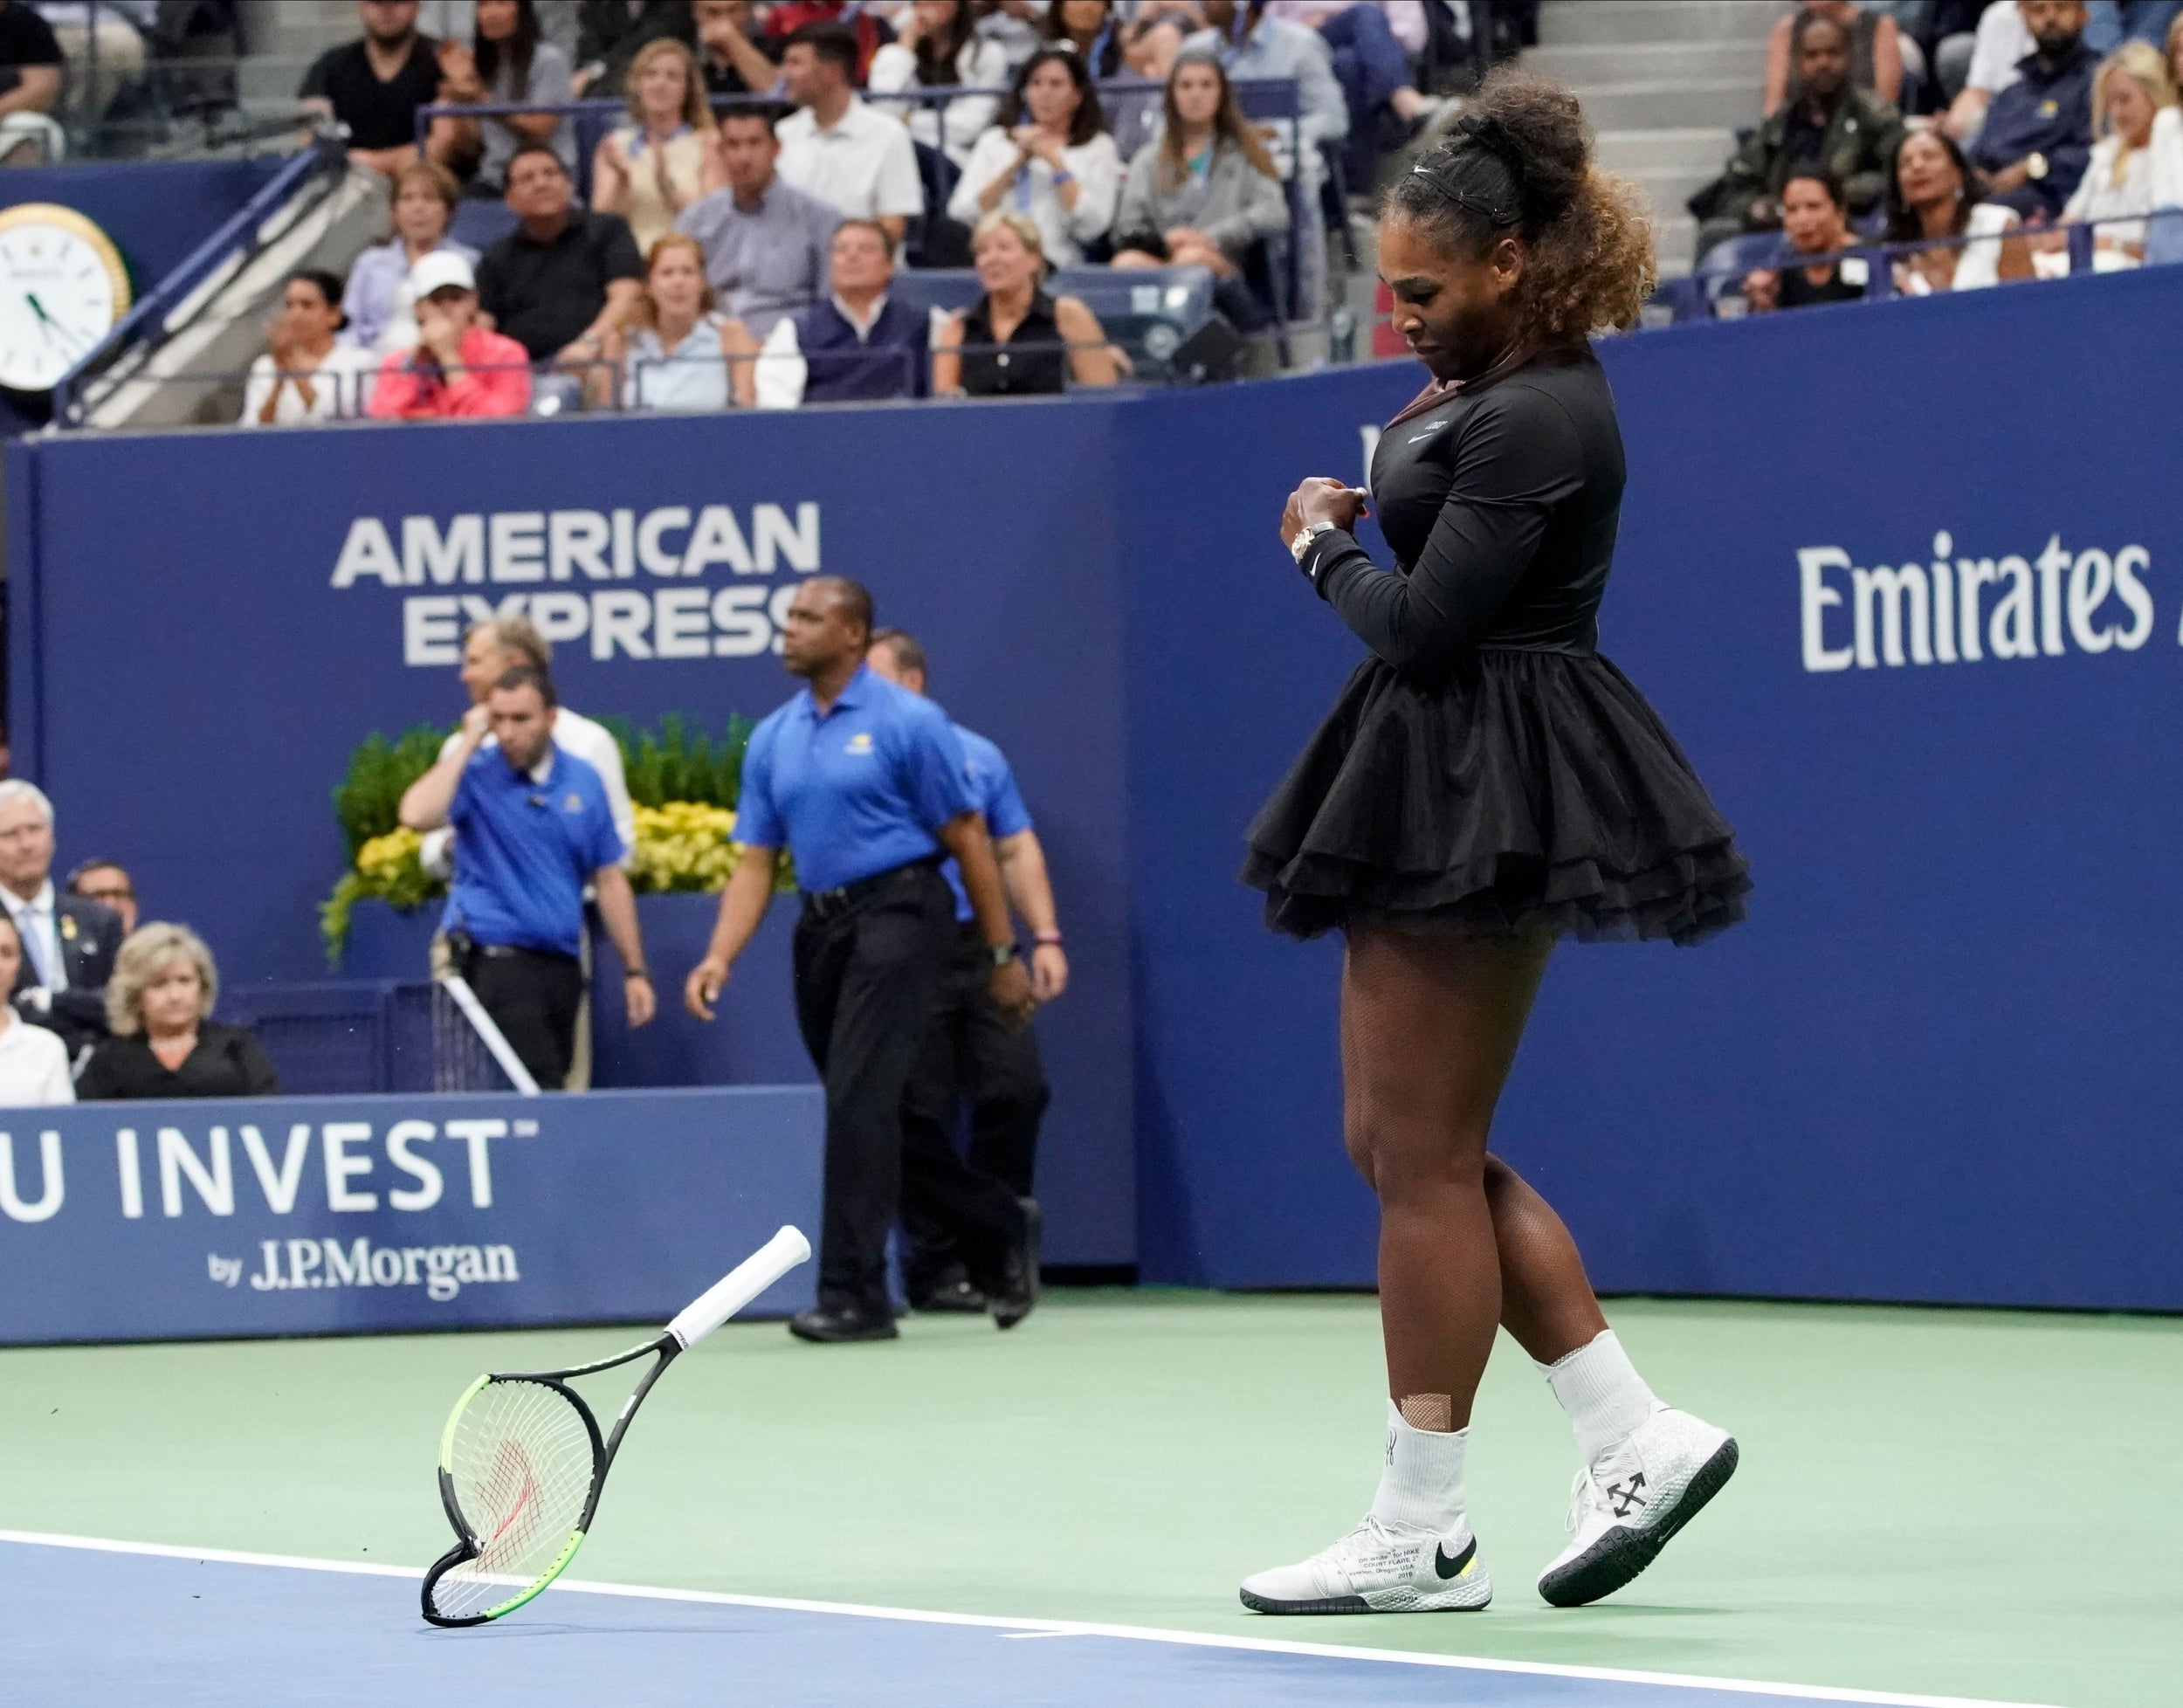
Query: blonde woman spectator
{"points": [[1016, 341], [681, 353], [2136, 162], [1207, 193], [1049, 159], [307, 374], [668, 155], [165, 1042], [381, 315], [33, 1061], [507, 60], [1931, 196], [937, 46]]}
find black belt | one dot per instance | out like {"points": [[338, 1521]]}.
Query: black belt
{"points": [[832, 903]]}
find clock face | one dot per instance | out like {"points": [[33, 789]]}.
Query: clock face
{"points": [[62, 290]]}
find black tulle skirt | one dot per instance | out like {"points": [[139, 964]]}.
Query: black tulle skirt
{"points": [[1532, 793]]}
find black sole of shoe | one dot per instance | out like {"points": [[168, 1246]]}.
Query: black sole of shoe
{"points": [[1330, 1604], [1620, 1555], [858, 1338], [1009, 1312]]}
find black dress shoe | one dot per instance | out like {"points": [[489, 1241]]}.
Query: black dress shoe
{"points": [[950, 1294], [848, 1322], [1017, 1289]]}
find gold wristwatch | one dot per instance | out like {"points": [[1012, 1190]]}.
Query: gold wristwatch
{"points": [[1302, 543]]}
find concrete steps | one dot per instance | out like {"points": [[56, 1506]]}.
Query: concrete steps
{"points": [[1587, 65], [1574, 23]]}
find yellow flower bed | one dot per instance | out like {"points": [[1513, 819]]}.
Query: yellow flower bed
{"points": [[683, 847]]}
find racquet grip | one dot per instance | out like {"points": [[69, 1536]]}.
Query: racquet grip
{"points": [[739, 1286]]}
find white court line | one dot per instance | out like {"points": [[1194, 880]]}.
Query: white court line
{"points": [[1051, 1628]]}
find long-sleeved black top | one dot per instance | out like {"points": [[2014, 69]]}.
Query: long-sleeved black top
{"points": [[1501, 504], [228, 1062]]}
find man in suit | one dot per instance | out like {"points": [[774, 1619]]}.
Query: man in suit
{"points": [[68, 944]]}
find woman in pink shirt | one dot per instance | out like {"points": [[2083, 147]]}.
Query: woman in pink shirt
{"points": [[456, 368]]}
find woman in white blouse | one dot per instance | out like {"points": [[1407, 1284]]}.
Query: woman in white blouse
{"points": [[33, 1061], [307, 374], [939, 46], [2136, 165], [1047, 158], [1932, 198]]}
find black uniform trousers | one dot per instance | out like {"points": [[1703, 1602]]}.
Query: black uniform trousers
{"points": [[534, 997], [869, 965], [973, 1051]]}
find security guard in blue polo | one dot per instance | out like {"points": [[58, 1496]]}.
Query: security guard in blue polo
{"points": [[864, 783]]}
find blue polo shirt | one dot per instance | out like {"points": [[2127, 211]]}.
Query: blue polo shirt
{"points": [[856, 791], [992, 785], [526, 844]]}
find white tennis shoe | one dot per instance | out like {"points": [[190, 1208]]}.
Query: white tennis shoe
{"points": [[1378, 1569], [1629, 1502]]}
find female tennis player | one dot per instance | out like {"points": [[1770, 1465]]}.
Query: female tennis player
{"points": [[1486, 784]]}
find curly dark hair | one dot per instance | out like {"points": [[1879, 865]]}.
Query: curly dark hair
{"points": [[1518, 163]]}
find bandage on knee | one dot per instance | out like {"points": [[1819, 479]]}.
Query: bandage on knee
{"points": [[1428, 1411]]}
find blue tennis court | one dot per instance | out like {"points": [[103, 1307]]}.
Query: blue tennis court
{"points": [[106, 1622]]}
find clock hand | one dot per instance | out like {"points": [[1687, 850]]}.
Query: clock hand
{"points": [[38, 308]]}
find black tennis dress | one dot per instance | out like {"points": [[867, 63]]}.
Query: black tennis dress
{"points": [[1486, 772]]}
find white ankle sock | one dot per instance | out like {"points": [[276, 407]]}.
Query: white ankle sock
{"points": [[1603, 1393], [1422, 1482]]}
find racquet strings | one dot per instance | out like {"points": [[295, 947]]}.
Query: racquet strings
{"points": [[521, 1464]]}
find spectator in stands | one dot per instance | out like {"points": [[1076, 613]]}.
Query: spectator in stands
{"points": [[1815, 220], [765, 241], [1372, 63], [1878, 47], [2171, 47], [1048, 158], [1830, 124], [30, 60], [730, 59], [2136, 165], [1985, 63], [34, 1060], [649, 170], [611, 33], [376, 85], [1932, 195], [1119, 42], [507, 60], [457, 366], [1016, 24], [515, 916], [381, 317], [860, 163], [564, 277], [1250, 44], [859, 343], [69, 945], [1206, 194], [107, 883], [2032, 148], [937, 46], [103, 44], [165, 1042], [679, 354], [785, 20], [1017, 341], [307, 374]]}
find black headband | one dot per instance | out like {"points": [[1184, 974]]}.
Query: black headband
{"points": [[1492, 213], [1490, 136]]}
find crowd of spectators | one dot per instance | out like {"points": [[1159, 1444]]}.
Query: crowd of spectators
{"points": [[1974, 135], [818, 131], [98, 1005]]}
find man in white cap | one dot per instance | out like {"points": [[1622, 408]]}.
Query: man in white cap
{"points": [[456, 368]]}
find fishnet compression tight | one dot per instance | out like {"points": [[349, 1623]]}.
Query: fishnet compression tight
{"points": [[1430, 1027]]}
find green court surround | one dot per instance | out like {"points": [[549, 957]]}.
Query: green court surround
{"points": [[1955, 1503]]}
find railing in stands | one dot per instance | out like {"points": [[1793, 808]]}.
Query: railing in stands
{"points": [[241, 236], [1702, 295]]}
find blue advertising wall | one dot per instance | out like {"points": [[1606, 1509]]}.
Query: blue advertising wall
{"points": [[304, 1216], [1931, 1066], [156, 211], [1936, 1063]]}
